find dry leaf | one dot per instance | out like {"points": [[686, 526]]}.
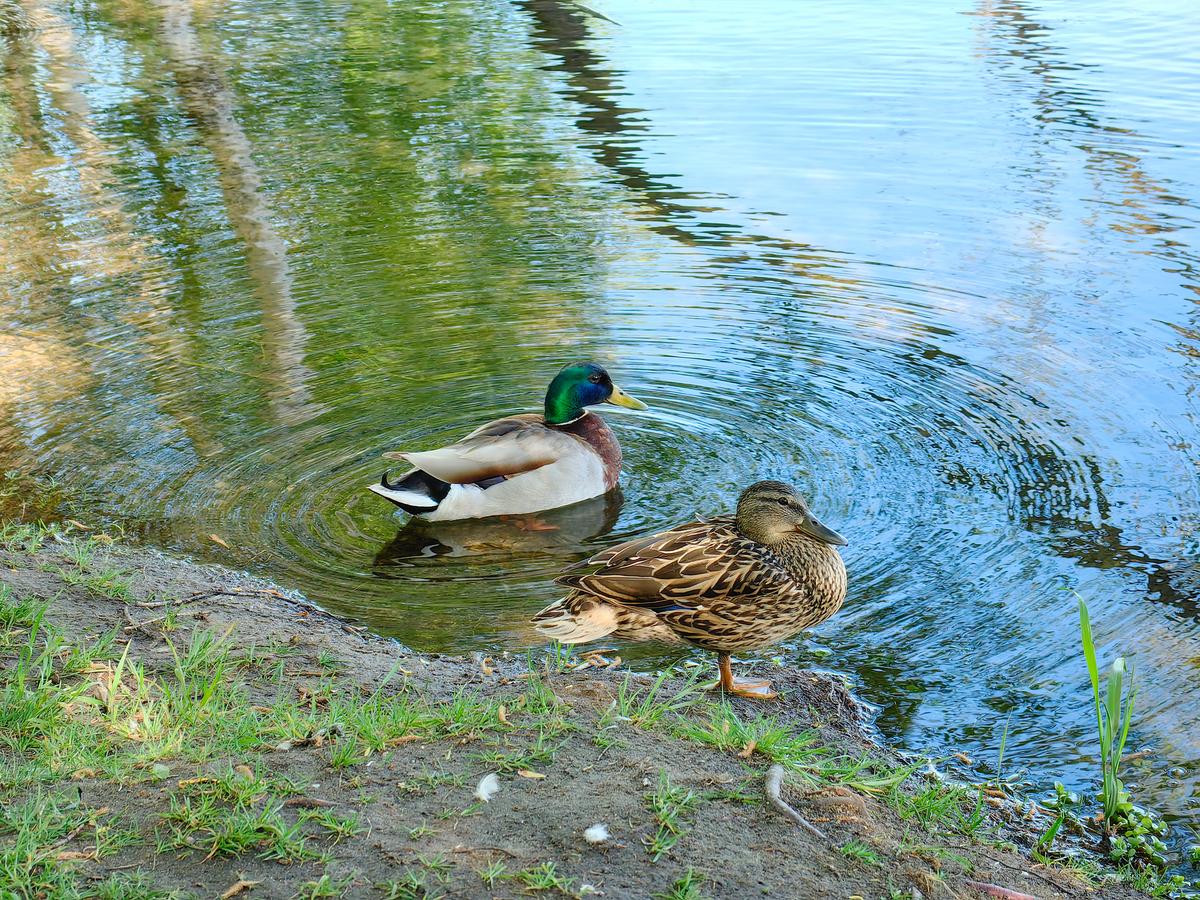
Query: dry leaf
{"points": [[244, 770], [237, 887], [216, 539], [64, 855], [529, 773], [79, 525], [748, 750], [502, 715], [964, 759], [485, 666]]}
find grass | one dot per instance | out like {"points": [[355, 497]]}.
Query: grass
{"points": [[324, 887], [669, 804], [860, 852], [104, 580], [649, 707], [335, 826], [494, 871], [204, 825], [947, 807], [685, 887], [723, 729], [22, 613], [436, 864], [37, 831], [506, 762], [545, 877], [410, 886]]}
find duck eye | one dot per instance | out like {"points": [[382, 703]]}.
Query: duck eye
{"points": [[594, 379], [783, 501]]}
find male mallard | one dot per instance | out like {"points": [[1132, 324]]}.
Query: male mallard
{"points": [[728, 584], [522, 463]]}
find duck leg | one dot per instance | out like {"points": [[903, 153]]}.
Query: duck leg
{"points": [[757, 690]]}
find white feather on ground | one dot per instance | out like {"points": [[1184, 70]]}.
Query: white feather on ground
{"points": [[597, 834], [488, 785]]}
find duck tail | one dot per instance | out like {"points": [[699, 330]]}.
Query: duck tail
{"points": [[417, 493], [576, 619]]}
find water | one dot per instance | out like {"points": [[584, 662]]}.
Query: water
{"points": [[936, 265]]}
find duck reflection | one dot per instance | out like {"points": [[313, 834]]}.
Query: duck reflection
{"points": [[558, 532]]}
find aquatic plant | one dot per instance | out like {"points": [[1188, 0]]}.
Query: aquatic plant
{"points": [[1113, 713], [1132, 834]]}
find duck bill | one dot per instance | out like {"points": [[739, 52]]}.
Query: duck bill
{"points": [[814, 529], [619, 398]]}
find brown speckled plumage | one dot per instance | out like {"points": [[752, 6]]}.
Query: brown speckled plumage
{"points": [[708, 583]]}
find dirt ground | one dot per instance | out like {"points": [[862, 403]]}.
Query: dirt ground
{"points": [[674, 775]]}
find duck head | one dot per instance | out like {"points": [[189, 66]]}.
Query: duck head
{"points": [[771, 512], [581, 385]]}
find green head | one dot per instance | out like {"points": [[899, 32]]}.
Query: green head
{"points": [[581, 385]]}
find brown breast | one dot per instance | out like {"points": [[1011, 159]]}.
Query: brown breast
{"points": [[594, 431]]}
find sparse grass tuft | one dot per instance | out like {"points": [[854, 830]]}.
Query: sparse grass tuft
{"points": [[234, 813], [19, 613], [685, 887], [724, 730], [410, 886], [669, 804], [545, 877], [337, 827], [942, 806], [103, 580], [323, 888], [493, 872], [649, 707], [436, 864], [40, 828], [860, 852]]}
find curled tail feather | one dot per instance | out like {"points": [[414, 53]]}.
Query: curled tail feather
{"points": [[576, 620], [416, 492]]}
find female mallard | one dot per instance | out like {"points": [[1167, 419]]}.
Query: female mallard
{"points": [[522, 463], [728, 584]]}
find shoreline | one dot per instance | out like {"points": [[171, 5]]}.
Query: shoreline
{"points": [[178, 727]]}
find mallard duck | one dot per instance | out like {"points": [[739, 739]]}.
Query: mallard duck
{"points": [[522, 463], [727, 584]]}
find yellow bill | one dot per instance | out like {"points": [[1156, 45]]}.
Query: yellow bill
{"points": [[619, 398]]}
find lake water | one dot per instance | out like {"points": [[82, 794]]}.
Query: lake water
{"points": [[936, 263]]}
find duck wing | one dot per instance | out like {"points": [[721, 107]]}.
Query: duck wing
{"points": [[499, 449], [705, 566]]}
